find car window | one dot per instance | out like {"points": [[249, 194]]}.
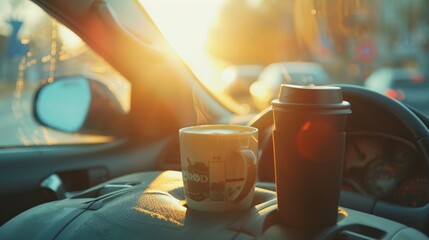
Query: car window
{"points": [[349, 40], [35, 50], [409, 83]]}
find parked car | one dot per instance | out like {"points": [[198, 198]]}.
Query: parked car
{"points": [[69, 170], [239, 78], [405, 85], [266, 87]]}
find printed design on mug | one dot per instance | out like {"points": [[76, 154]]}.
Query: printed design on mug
{"points": [[211, 182], [234, 188], [196, 179], [217, 179]]}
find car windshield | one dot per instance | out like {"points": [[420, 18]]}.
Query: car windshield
{"points": [[346, 40]]}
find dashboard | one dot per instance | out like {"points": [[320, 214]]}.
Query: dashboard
{"points": [[385, 167]]}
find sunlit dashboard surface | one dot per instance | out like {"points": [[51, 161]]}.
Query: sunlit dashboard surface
{"points": [[385, 167]]}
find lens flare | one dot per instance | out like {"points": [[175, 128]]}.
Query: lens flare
{"points": [[315, 139]]}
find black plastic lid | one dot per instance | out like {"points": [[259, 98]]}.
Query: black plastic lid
{"points": [[328, 99]]}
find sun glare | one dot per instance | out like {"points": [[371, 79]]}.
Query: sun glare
{"points": [[69, 39], [186, 25]]}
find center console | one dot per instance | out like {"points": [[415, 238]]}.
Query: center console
{"points": [[152, 205]]}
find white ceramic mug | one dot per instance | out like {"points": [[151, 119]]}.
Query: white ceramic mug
{"points": [[219, 166]]}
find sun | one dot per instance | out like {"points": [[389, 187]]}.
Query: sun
{"points": [[186, 25]]}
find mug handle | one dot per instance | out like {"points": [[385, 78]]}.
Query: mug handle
{"points": [[249, 159]]}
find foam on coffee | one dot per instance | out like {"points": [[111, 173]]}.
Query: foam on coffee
{"points": [[216, 130]]}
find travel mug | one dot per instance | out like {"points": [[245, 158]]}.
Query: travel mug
{"points": [[309, 140]]}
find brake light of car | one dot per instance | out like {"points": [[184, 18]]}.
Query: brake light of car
{"points": [[417, 78], [395, 94]]}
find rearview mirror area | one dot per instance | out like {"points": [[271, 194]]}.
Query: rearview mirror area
{"points": [[64, 104], [75, 104]]}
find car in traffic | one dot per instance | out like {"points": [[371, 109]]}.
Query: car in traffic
{"points": [[94, 94], [239, 78], [409, 86], [267, 86]]}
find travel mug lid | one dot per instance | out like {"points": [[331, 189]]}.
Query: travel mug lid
{"points": [[317, 98]]}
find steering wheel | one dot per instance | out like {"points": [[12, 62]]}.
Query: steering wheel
{"points": [[414, 122]]}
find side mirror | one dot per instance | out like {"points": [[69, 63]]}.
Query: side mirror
{"points": [[76, 104]]}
